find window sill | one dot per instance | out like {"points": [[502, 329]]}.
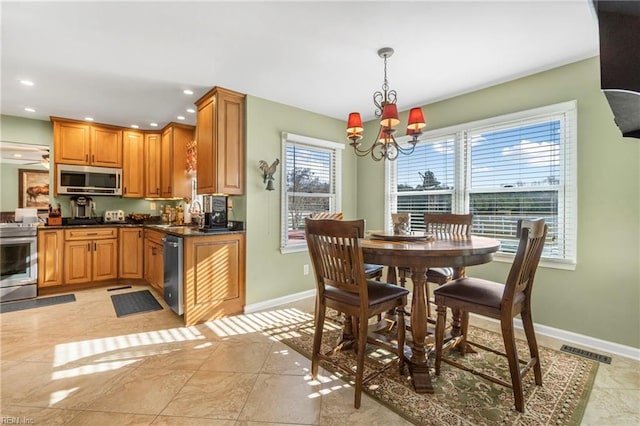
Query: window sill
{"points": [[293, 249], [544, 263]]}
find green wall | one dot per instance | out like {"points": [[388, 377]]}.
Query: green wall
{"points": [[271, 274], [601, 298]]}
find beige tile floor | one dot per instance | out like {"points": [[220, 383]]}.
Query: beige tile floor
{"points": [[78, 364]]}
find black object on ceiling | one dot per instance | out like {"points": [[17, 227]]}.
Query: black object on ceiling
{"points": [[619, 25]]}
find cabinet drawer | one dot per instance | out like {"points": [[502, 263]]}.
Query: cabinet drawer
{"points": [[154, 236], [90, 234]]}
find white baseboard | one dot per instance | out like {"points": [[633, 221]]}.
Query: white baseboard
{"points": [[580, 339], [566, 336], [269, 304]]}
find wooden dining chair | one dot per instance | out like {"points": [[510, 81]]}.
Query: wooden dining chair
{"points": [[501, 302], [371, 271], [441, 225], [337, 260]]}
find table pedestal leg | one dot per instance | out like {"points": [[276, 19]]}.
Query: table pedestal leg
{"points": [[418, 361]]}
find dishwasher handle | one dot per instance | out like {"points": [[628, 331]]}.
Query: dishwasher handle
{"points": [[170, 243]]}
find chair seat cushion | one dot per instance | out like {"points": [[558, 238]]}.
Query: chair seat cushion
{"points": [[371, 269], [475, 291], [444, 273], [379, 292]]}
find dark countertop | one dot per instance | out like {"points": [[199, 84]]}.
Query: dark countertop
{"points": [[178, 230]]}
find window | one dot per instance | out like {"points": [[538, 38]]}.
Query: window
{"points": [[518, 166], [311, 183]]}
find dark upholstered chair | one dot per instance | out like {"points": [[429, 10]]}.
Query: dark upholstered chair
{"points": [[370, 271], [501, 302], [336, 256], [441, 225]]}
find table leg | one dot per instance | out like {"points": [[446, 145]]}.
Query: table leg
{"points": [[418, 361]]}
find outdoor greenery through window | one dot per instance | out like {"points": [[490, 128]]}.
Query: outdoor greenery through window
{"points": [[519, 166], [310, 184]]}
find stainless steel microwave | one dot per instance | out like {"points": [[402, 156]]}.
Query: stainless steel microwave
{"points": [[87, 180]]}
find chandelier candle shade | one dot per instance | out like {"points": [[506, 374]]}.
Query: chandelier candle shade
{"points": [[385, 146]]}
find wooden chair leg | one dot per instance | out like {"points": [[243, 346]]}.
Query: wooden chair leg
{"points": [[362, 352], [440, 324], [401, 338], [464, 327], [317, 337], [527, 323], [509, 338]]}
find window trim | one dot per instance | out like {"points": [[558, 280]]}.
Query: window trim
{"points": [[292, 138], [460, 200]]}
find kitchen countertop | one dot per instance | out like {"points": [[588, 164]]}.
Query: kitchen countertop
{"points": [[178, 230]]}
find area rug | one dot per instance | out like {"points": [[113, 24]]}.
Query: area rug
{"points": [[462, 398], [36, 303], [134, 303]]}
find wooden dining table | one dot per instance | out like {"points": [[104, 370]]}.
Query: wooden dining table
{"points": [[419, 255]]}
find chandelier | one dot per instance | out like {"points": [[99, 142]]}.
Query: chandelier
{"points": [[385, 146]]}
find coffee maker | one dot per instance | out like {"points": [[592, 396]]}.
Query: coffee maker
{"points": [[215, 213], [82, 207]]}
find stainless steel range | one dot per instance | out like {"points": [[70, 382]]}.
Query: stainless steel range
{"points": [[19, 261]]}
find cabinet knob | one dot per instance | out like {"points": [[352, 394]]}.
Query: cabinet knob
{"points": [[88, 246]]}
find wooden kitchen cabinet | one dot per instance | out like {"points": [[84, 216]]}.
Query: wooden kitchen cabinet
{"points": [[76, 142], [131, 261], [132, 164], [152, 164], [220, 136], [174, 180], [90, 254], [154, 259], [214, 277], [50, 246]]}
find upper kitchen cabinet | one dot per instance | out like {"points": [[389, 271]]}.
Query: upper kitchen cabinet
{"points": [[152, 164], [76, 142], [175, 182], [132, 159], [220, 136]]}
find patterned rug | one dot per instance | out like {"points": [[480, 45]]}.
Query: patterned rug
{"points": [[462, 398]]}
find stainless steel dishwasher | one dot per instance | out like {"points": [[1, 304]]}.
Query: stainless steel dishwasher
{"points": [[172, 247]]}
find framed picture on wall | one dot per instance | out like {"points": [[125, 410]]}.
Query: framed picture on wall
{"points": [[33, 189]]}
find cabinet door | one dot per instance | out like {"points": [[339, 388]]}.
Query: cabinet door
{"points": [[230, 144], [105, 259], [132, 164], [181, 180], [165, 163], [71, 142], [77, 261], [158, 268], [153, 264], [152, 165], [206, 147], [131, 252], [50, 246], [106, 146]]}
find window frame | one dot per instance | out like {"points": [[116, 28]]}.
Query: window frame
{"points": [[567, 190], [335, 149]]}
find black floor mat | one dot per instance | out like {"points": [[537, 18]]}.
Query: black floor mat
{"points": [[134, 303], [36, 303]]}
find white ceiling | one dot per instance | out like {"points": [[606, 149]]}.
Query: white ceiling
{"points": [[127, 63]]}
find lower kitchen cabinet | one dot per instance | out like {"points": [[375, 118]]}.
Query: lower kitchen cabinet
{"points": [[131, 260], [214, 277], [90, 255], [153, 259], [50, 246]]}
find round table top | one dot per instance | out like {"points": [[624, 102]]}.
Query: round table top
{"points": [[440, 251]]}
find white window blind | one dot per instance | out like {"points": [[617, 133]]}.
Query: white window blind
{"points": [[517, 166], [311, 182]]}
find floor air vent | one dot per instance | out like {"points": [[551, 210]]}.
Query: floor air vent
{"points": [[586, 354]]}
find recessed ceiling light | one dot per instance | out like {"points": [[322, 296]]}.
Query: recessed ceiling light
{"points": [[187, 92], [27, 82], [88, 118], [191, 110], [180, 117], [17, 155], [135, 126], [29, 109], [153, 124]]}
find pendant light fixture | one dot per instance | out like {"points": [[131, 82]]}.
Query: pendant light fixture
{"points": [[385, 147]]}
